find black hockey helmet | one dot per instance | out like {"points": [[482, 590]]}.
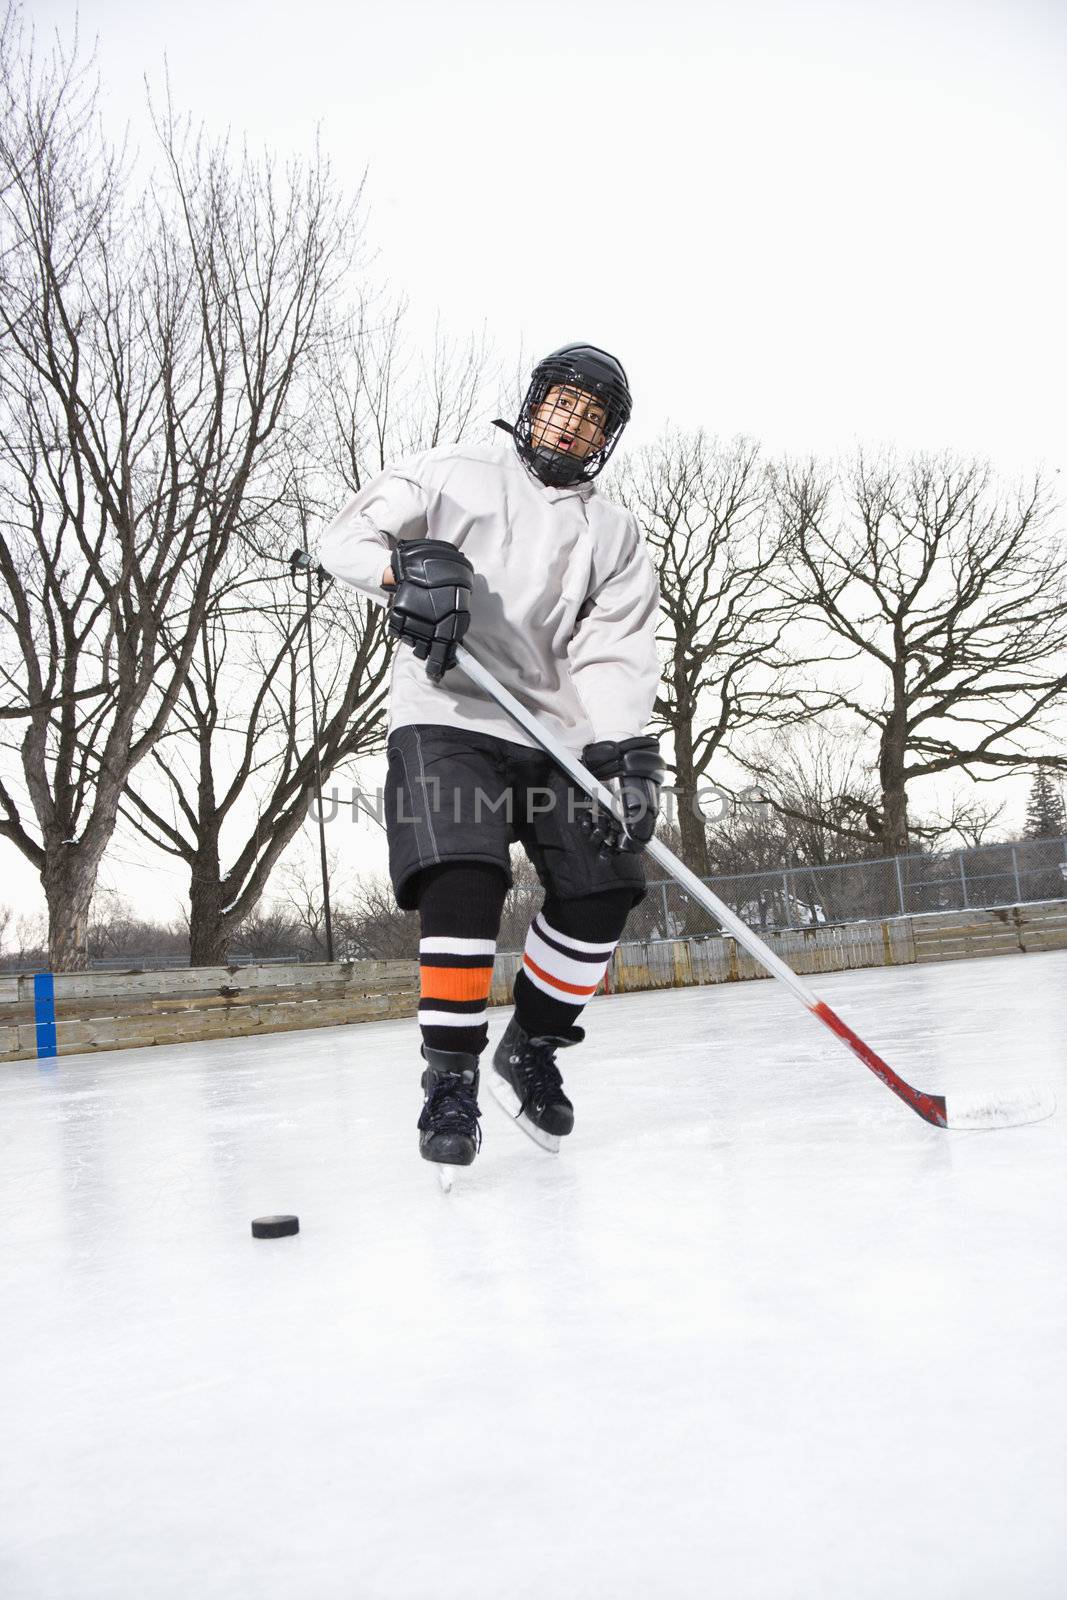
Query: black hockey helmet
{"points": [[575, 366]]}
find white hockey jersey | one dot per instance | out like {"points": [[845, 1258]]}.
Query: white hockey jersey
{"points": [[565, 600]]}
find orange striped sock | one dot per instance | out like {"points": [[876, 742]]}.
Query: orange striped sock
{"points": [[456, 975], [459, 913]]}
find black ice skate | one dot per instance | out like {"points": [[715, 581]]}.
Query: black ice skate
{"points": [[527, 1083], [449, 1134]]}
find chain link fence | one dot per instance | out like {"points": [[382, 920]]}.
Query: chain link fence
{"points": [[789, 898], [794, 897]]}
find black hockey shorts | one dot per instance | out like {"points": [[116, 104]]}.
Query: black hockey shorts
{"points": [[451, 795]]}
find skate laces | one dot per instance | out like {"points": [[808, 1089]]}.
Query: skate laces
{"points": [[452, 1107], [541, 1077]]}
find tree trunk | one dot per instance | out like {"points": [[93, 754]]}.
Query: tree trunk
{"points": [[208, 927], [691, 823], [896, 838], [891, 759], [692, 828], [68, 890]]}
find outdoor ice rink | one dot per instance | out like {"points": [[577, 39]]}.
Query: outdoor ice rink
{"points": [[758, 1331]]}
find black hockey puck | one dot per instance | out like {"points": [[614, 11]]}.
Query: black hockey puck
{"points": [[274, 1227]]}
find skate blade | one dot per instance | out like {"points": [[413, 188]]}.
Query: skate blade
{"points": [[509, 1102], [446, 1174]]}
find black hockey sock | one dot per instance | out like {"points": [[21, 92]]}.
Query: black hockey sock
{"points": [[459, 912], [568, 948]]}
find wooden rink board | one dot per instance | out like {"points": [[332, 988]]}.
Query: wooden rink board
{"points": [[122, 1011], [896, 941], [1007, 930]]}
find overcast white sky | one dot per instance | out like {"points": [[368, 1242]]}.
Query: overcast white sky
{"points": [[811, 222], [814, 223]]}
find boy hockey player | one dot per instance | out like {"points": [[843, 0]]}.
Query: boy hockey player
{"points": [[561, 599]]}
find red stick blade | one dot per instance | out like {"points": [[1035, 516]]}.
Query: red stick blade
{"points": [[929, 1106], [961, 1111]]}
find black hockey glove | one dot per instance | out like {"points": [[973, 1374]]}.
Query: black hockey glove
{"points": [[634, 768], [430, 607]]}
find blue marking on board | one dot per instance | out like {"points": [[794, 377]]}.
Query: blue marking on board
{"points": [[44, 1013]]}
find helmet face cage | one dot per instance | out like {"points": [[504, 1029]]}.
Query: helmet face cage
{"points": [[605, 380]]}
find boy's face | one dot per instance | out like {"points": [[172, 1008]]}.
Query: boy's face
{"points": [[569, 420]]}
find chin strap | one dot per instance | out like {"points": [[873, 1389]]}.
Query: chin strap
{"points": [[555, 469], [550, 467]]}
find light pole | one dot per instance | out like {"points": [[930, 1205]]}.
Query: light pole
{"points": [[299, 562]]}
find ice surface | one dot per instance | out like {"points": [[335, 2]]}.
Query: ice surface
{"points": [[758, 1330]]}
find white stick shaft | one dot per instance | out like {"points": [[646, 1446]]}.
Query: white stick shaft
{"points": [[655, 848], [1005, 1111]]}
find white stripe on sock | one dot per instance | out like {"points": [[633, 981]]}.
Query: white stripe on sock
{"points": [[602, 949], [586, 974], [439, 945], [451, 1019]]}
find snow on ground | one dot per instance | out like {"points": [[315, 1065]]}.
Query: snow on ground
{"points": [[758, 1331]]}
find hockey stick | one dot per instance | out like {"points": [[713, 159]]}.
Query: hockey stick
{"points": [[953, 1111]]}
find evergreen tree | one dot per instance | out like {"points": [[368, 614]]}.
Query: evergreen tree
{"points": [[1046, 815]]}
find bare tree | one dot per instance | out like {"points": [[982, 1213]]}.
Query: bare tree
{"points": [[117, 933], [823, 791], [239, 757], [381, 401], [23, 945], [823, 786], [241, 744], [150, 353], [372, 926], [969, 818], [703, 509], [300, 899], [270, 932], [952, 597]]}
